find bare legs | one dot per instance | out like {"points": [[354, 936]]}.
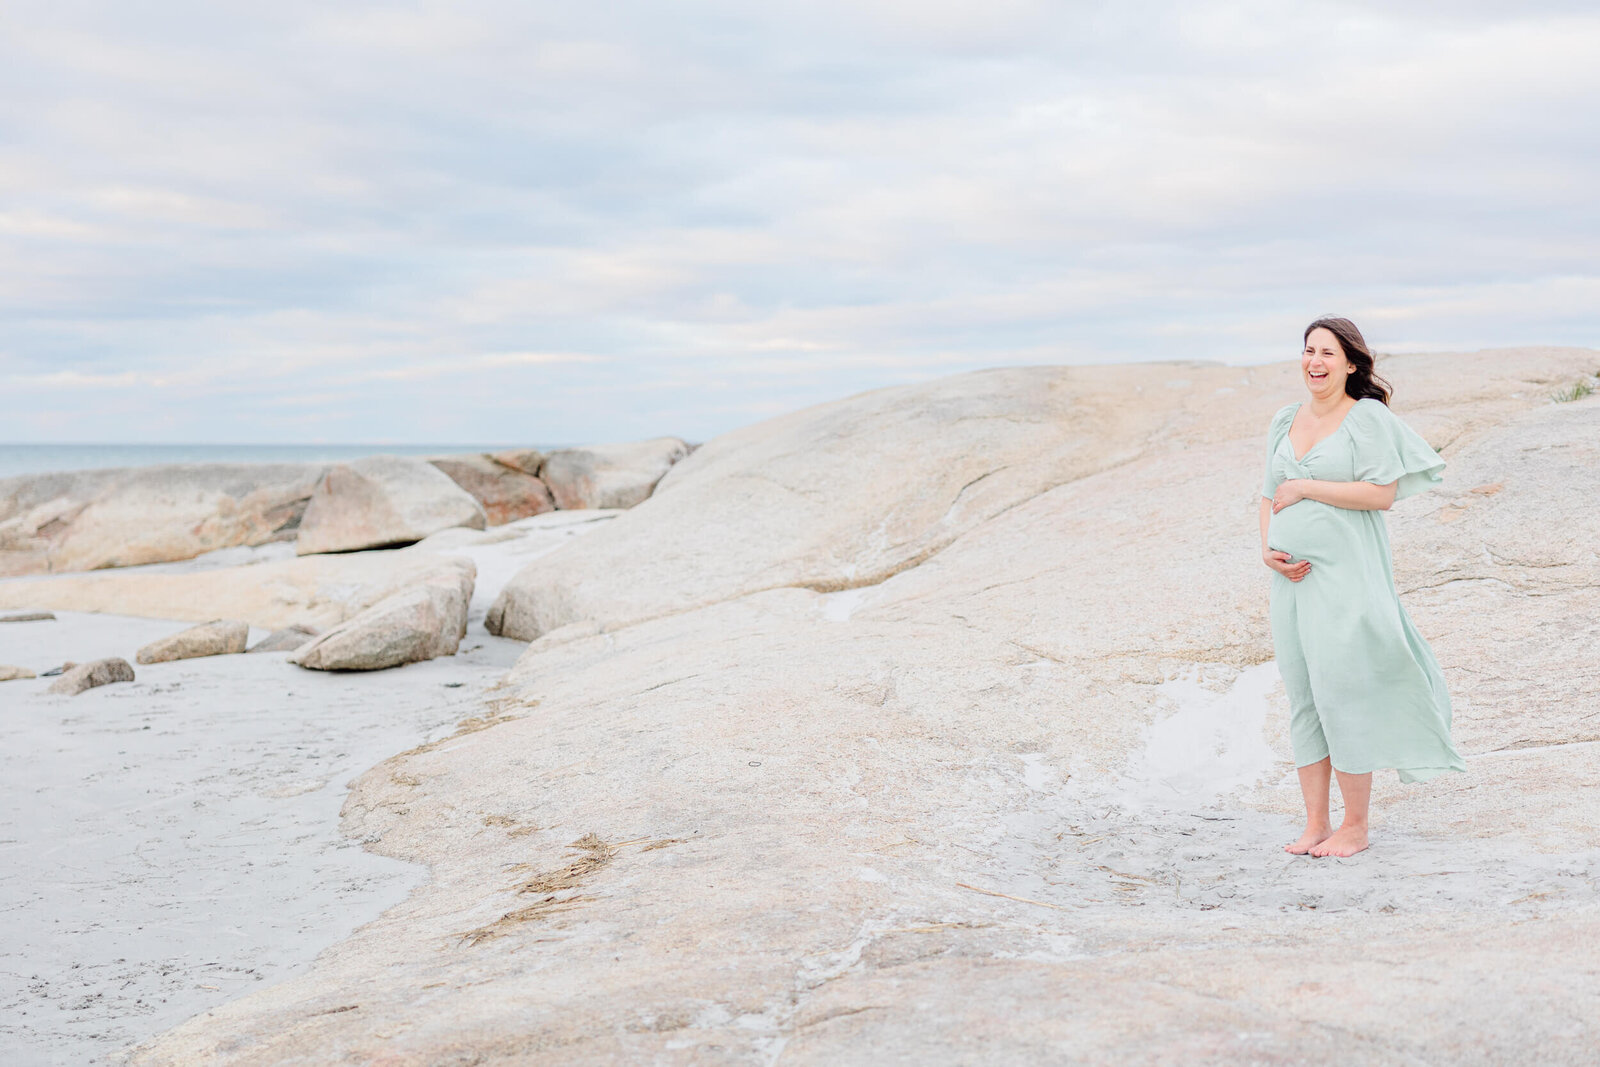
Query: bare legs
{"points": [[1320, 839], [1351, 837]]}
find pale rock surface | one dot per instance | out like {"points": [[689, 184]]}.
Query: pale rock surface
{"points": [[945, 816], [1506, 561], [381, 501], [84, 676], [13, 674], [86, 520], [220, 637], [424, 620], [285, 640], [316, 591], [507, 493], [610, 475], [845, 494]]}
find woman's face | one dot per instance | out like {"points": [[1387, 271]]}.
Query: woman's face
{"points": [[1322, 364]]}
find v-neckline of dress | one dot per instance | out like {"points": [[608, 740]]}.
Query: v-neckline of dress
{"points": [[1315, 444]]}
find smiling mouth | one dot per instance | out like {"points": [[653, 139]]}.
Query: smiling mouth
{"points": [[1314, 374]]}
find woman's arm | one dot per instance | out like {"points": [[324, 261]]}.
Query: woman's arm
{"points": [[1356, 496]]}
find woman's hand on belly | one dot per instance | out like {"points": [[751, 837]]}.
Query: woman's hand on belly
{"points": [[1310, 530], [1289, 492], [1287, 565]]}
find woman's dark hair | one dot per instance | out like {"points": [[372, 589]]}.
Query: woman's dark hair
{"points": [[1364, 380]]}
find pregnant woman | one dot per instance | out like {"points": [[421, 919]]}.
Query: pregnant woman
{"points": [[1365, 691]]}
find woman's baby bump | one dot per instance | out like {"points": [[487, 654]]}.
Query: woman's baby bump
{"points": [[1308, 529]]}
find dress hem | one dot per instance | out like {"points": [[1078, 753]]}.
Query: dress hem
{"points": [[1407, 775]]}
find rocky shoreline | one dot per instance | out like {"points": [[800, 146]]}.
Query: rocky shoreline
{"points": [[938, 724], [383, 610], [120, 517]]}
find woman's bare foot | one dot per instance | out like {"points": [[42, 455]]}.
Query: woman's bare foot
{"points": [[1313, 836], [1347, 841]]}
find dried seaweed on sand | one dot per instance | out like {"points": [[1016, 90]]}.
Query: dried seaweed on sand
{"points": [[595, 854]]}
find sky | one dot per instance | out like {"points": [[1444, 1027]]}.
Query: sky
{"points": [[487, 221]]}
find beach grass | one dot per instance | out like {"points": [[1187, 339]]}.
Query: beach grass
{"points": [[1577, 391]]}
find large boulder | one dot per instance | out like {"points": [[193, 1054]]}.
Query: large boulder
{"points": [[421, 621], [85, 520], [847, 493], [507, 493], [220, 637], [380, 501], [609, 476], [83, 676]]}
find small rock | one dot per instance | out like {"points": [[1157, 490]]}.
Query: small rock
{"points": [[382, 501], [89, 675], [28, 616], [12, 674], [285, 640], [218, 638]]}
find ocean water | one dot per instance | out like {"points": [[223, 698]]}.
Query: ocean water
{"points": [[37, 459]]}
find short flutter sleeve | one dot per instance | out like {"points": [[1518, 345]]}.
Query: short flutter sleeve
{"points": [[1387, 450], [1275, 432]]}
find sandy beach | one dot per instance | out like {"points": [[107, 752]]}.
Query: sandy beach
{"points": [[171, 843]]}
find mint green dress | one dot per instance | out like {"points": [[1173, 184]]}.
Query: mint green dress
{"points": [[1363, 685]]}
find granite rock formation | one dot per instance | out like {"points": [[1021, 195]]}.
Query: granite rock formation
{"points": [[611, 475], [383, 501], [86, 520], [506, 493], [424, 620]]}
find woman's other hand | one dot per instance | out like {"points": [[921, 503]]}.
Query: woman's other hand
{"points": [[1280, 562], [1289, 492]]}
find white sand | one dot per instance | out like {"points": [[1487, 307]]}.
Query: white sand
{"points": [[169, 843]]}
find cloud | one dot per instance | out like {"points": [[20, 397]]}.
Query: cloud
{"points": [[467, 364], [497, 220], [68, 380]]}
